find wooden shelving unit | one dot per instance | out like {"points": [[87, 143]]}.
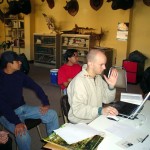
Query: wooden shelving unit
{"points": [[14, 31], [46, 50], [82, 43]]}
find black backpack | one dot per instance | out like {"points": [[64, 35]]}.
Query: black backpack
{"points": [[25, 67], [137, 56]]}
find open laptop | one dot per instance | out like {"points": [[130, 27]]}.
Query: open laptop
{"points": [[129, 110]]}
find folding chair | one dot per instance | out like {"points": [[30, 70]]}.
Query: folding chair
{"points": [[65, 107], [31, 123], [122, 77]]}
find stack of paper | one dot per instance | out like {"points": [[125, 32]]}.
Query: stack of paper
{"points": [[74, 137], [76, 132]]}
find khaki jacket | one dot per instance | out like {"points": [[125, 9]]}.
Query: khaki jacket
{"points": [[86, 95]]}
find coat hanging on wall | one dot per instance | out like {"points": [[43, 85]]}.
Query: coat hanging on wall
{"points": [[51, 3], [96, 4], [72, 7], [146, 2]]}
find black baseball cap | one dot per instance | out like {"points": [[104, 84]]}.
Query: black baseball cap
{"points": [[8, 57]]}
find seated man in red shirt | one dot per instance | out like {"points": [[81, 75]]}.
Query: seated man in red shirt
{"points": [[69, 70]]}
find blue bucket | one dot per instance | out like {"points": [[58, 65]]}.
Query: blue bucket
{"points": [[53, 76]]}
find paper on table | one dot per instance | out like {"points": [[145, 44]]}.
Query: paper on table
{"points": [[73, 133], [141, 146], [121, 130], [131, 98], [135, 140]]}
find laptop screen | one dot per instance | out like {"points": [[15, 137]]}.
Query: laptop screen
{"points": [[142, 104], [129, 110]]}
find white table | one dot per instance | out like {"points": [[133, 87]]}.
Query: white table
{"points": [[110, 140]]}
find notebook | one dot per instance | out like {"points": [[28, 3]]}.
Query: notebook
{"points": [[129, 110]]}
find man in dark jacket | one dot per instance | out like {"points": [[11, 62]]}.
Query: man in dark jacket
{"points": [[13, 108]]}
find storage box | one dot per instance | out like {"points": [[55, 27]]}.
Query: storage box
{"points": [[134, 71], [131, 77], [130, 66]]}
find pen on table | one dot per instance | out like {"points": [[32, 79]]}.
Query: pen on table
{"points": [[145, 138]]}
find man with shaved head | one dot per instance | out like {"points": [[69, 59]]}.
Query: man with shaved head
{"points": [[88, 90]]}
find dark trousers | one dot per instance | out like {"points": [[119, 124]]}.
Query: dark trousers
{"points": [[7, 146]]}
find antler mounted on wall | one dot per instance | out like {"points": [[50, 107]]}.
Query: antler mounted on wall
{"points": [[51, 3], [96, 4], [72, 7], [1, 1]]}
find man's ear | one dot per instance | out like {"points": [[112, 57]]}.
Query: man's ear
{"points": [[90, 63]]}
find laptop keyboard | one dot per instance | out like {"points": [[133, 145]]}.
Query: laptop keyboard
{"points": [[123, 108]]}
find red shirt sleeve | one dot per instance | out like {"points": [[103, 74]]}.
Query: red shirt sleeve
{"points": [[62, 77], [66, 72]]}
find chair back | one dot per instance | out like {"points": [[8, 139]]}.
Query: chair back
{"points": [[65, 107], [122, 77], [31, 123]]}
